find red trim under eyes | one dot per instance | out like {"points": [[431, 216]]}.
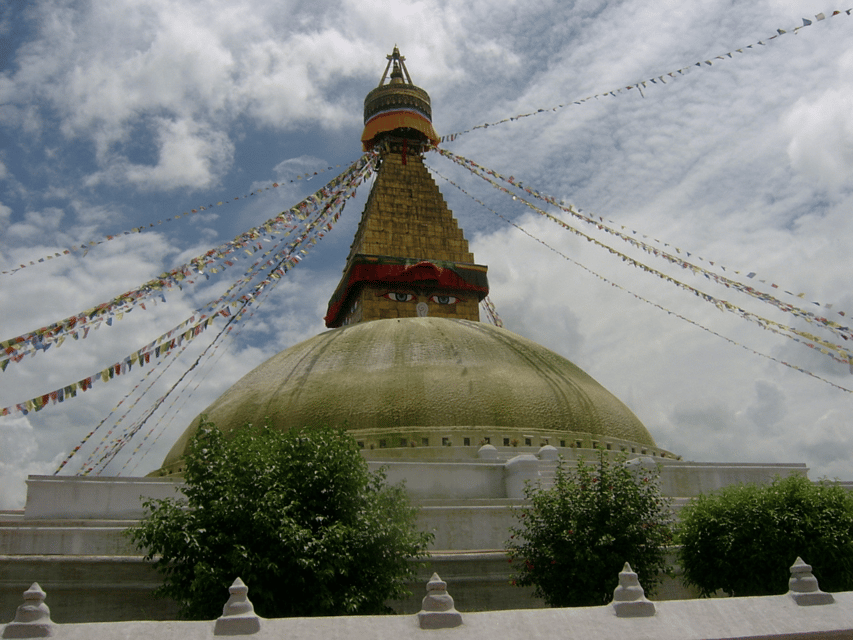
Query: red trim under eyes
{"points": [[388, 272]]}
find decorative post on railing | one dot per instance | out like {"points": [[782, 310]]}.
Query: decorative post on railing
{"points": [[437, 610], [519, 471], [803, 587], [629, 598], [238, 615], [32, 619], [548, 453]]}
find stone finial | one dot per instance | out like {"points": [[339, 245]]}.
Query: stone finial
{"points": [[803, 588], [641, 463], [32, 619], [437, 610], [629, 598], [641, 467], [487, 452], [518, 472], [548, 452], [238, 615]]}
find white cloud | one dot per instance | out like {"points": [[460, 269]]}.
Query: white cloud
{"points": [[769, 407], [195, 68], [821, 144], [5, 214], [189, 155], [18, 459], [36, 224]]}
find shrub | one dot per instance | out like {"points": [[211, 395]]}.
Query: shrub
{"points": [[574, 538], [296, 515], [743, 539]]}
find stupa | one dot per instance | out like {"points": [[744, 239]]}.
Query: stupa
{"points": [[465, 412], [407, 366]]}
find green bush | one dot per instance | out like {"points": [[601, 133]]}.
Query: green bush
{"points": [[574, 538], [743, 539], [296, 515]]}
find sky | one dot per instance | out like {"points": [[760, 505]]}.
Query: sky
{"points": [[121, 114]]}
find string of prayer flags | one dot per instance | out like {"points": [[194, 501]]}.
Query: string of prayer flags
{"points": [[111, 450], [134, 428], [841, 331], [655, 80], [170, 358], [602, 223], [89, 465], [130, 432], [328, 205], [836, 352], [491, 312], [231, 331], [168, 363], [87, 246], [641, 298], [160, 347], [213, 261]]}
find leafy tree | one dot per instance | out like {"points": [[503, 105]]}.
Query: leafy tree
{"points": [[574, 538], [743, 539], [296, 515]]}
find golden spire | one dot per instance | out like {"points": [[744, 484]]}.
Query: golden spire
{"points": [[409, 257], [398, 70]]}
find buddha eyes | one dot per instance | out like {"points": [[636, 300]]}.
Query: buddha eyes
{"points": [[398, 296]]}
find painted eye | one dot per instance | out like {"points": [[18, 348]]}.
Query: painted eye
{"points": [[444, 299], [399, 297]]}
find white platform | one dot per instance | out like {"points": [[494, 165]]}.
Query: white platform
{"points": [[70, 536]]}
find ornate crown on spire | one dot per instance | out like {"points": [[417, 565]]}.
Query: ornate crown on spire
{"points": [[397, 108]]}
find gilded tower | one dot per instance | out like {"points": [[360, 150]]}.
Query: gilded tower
{"points": [[409, 257]]}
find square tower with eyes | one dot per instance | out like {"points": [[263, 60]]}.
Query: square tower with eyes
{"points": [[409, 257]]}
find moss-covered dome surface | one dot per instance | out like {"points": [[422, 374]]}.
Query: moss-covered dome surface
{"points": [[421, 372]]}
